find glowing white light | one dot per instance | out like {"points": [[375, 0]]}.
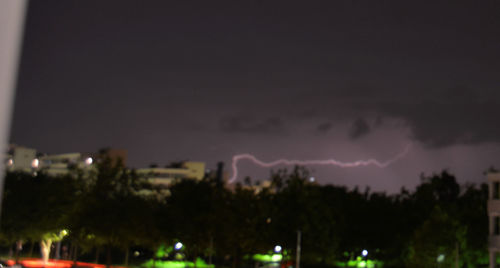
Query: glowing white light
{"points": [[178, 246], [35, 163], [312, 179], [440, 258], [364, 252], [89, 161], [277, 249]]}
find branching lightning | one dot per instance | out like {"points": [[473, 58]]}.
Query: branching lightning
{"points": [[331, 162]]}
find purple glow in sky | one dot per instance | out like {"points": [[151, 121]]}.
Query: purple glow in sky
{"points": [[205, 81]]}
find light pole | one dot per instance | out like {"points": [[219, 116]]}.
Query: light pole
{"points": [[364, 253], [297, 258]]}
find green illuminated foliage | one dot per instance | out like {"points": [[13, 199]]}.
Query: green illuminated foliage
{"points": [[437, 240], [199, 263], [268, 257]]}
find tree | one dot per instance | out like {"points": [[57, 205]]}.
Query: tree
{"points": [[195, 209], [110, 213], [37, 208], [300, 205], [473, 215], [437, 241]]}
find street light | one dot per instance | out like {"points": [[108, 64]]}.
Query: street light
{"points": [[35, 163], [178, 246], [364, 253], [277, 249]]}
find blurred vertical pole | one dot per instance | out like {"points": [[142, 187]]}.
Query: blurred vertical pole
{"points": [[12, 14], [58, 250], [297, 258], [211, 250]]}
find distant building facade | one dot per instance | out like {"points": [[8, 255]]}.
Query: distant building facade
{"points": [[23, 159], [259, 187], [20, 159], [62, 164], [168, 176]]}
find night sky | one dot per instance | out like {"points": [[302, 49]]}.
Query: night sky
{"points": [[205, 80]]}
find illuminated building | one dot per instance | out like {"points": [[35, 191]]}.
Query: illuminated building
{"points": [[168, 176], [259, 187], [23, 159], [494, 215], [20, 159], [61, 164]]}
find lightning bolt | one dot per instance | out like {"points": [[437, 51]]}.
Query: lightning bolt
{"points": [[331, 162]]}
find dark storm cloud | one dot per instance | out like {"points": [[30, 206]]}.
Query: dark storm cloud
{"points": [[324, 127], [437, 117], [455, 116], [379, 121], [244, 124], [156, 78], [359, 128]]}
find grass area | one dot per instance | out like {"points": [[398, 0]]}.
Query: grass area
{"points": [[176, 264]]}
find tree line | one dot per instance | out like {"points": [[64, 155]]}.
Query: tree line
{"points": [[112, 210]]}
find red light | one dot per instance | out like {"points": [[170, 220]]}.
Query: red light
{"points": [[38, 263]]}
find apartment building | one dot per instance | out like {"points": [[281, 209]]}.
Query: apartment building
{"points": [[167, 176]]}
